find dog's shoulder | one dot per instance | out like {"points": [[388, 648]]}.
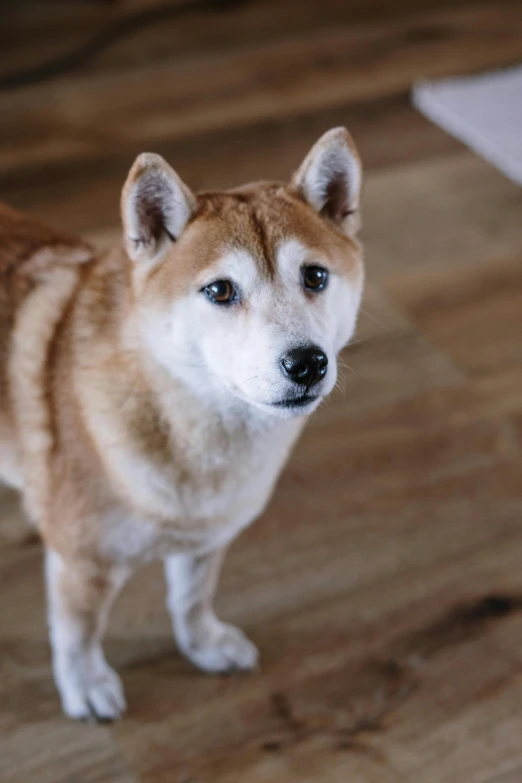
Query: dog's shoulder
{"points": [[28, 247]]}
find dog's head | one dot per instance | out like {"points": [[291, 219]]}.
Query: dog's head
{"points": [[253, 290]]}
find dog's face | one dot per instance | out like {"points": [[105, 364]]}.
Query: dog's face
{"points": [[253, 291]]}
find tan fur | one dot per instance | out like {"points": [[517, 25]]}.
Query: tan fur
{"points": [[94, 431], [29, 252]]}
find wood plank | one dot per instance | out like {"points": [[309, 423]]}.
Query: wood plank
{"points": [[474, 314], [336, 686], [73, 118], [86, 195], [457, 211], [55, 27]]}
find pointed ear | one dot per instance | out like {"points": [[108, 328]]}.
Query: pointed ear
{"points": [[329, 179], [155, 207]]}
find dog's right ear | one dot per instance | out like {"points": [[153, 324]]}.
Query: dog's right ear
{"points": [[155, 207]]}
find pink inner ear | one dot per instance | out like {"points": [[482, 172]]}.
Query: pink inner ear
{"points": [[153, 200], [336, 202]]}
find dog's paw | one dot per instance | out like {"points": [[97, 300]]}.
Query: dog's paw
{"points": [[223, 648], [93, 693]]}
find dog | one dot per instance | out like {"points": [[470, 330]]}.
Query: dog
{"points": [[150, 395]]}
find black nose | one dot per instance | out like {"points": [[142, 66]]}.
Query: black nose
{"points": [[305, 365]]}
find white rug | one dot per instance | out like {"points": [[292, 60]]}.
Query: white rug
{"points": [[484, 112]]}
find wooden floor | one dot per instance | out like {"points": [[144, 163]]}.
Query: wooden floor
{"points": [[384, 584]]}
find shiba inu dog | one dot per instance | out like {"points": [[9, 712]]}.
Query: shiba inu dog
{"points": [[150, 396]]}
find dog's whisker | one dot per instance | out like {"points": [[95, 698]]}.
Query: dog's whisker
{"points": [[347, 367], [340, 387], [376, 320]]}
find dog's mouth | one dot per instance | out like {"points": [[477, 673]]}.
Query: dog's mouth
{"points": [[296, 402]]}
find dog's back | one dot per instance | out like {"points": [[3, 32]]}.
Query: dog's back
{"points": [[29, 250]]}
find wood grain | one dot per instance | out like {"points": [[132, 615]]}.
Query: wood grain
{"points": [[326, 66], [384, 583]]}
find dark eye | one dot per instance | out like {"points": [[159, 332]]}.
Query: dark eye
{"points": [[221, 292], [315, 278]]}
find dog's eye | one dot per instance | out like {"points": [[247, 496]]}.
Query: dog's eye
{"points": [[315, 278], [221, 292]]}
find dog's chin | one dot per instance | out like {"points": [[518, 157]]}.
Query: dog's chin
{"points": [[288, 407], [291, 407]]}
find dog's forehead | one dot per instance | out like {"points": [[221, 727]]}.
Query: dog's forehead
{"points": [[250, 221], [264, 224], [259, 220]]}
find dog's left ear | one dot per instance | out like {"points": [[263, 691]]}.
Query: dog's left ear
{"points": [[329, 179], [155, 207]]}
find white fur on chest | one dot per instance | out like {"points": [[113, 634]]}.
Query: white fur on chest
{"points": [[202, 502]]}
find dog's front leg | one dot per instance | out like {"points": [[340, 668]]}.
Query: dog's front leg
{"points": [[79, 597], [210, 644]]}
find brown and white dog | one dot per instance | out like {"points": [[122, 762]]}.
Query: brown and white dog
{"points": [[149, 397]]}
